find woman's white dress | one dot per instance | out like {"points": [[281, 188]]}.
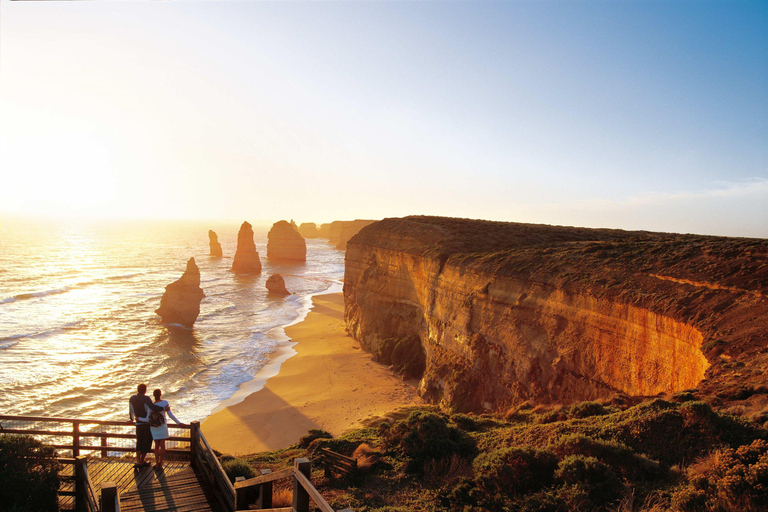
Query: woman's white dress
{"points": [[161, 432]]}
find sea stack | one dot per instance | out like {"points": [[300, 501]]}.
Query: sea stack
{"points": [[181, 301], [214, 243], [246, 258], [285, 243], [276, 285], [308, 230]]}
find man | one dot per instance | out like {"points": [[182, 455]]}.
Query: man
{"points": [[138, 412]]}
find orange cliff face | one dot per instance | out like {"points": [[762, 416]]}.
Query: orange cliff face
{"points": [[509, 312]]}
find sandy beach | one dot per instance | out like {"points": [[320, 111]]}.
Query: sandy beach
{"points": [[331, 384]]}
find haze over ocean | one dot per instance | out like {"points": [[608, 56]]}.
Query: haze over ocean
{"points": [[77, 325]]}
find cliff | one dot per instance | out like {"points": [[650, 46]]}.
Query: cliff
{"points": [[340, 231], [181, 301], [246, 260], [324, 231], [213, 241], [497, 313], [308, 230], [285, 243]]}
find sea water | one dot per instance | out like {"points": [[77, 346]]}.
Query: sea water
{"points": [[78, 330]]}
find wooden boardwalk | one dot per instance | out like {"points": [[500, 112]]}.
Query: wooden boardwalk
{"points": [[175, 487]]}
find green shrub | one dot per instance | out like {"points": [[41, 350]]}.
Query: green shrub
{"points": [[620, 457], [311, 435], [464, 422], [597, 481], [514, 470], [587, 409], [689, 499], [425, 436], [238, 467], [29, 474]]}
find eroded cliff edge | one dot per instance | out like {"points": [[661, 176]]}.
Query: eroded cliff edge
{"points": [[507, 312]]}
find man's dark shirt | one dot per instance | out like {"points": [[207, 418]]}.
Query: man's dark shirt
{"points": [[137, 402]]}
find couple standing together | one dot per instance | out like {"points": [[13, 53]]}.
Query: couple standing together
{"points": [[151, 424]]}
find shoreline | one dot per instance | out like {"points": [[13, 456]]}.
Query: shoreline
{"points": [[283, 351], [329, 383]]}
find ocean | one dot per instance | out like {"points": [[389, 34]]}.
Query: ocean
{"points": [[78, 330]]}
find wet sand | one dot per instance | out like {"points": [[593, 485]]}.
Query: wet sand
{"points": [[331, 384]]}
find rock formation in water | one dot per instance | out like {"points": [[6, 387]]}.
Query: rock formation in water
{"points": [[181, 301], [213, 240], [340, 231], [276, 285], [294, 226], [308, 230], [492, 314], [246, 259], [285, 243], [324, 231]]}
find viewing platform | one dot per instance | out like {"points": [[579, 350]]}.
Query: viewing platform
{"points": [[191, 479]]}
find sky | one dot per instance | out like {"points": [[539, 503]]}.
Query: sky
{"points": [[629, 114]]}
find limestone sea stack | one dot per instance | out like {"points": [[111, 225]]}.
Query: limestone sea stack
{"points": [[294, 226], [181, 301], [276, 285], [285, 243], [308, 230], [246, 258], [214, 243], [324, 231]]}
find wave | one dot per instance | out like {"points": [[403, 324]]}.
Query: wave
{"points": [[7, 343], [65, 289], [40, 334], [34, 295]]}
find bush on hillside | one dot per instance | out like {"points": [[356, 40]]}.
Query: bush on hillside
{"points": [[29, 475], [514, 470], [311, 435], [238, 467], [426, 436]]}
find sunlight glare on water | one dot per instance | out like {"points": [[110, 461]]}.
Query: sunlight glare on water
{"points": [[78, 330]]}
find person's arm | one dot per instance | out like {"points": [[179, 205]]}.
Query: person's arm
{"points": [[131, 414], [151, 406], [168, 409]]}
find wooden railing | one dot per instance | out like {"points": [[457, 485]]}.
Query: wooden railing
{"points": [[303, 490], [195, 447], [69, 434]]}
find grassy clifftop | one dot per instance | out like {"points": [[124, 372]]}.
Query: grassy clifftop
{"points": [[661, 454]]}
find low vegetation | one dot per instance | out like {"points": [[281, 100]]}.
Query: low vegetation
{"points": [[29, 475], [618, 456]]}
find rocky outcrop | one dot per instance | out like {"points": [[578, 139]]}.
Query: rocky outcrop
{"points": [[213, 241], [246, 259], [276, 285], [181, 301], [308, 230], [285, 243], [294, 226], [503, 312], [324, 231], [340, 231]]}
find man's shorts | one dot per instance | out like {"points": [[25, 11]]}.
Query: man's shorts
{"points": [[143, 438]]}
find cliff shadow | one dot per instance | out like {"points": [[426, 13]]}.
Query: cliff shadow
{"points": [[263, 421]]}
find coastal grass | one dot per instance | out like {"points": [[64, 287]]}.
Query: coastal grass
{"points": [[678, 454]]}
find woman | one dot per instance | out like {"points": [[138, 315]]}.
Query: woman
{"points": [[160, 432]]}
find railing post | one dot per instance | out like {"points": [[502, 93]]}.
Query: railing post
{"points": [[104, 445], [194, 440], [75, 438], [81, 485], [265, 491], [240, 501], [300, 495], [109, 497]]}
